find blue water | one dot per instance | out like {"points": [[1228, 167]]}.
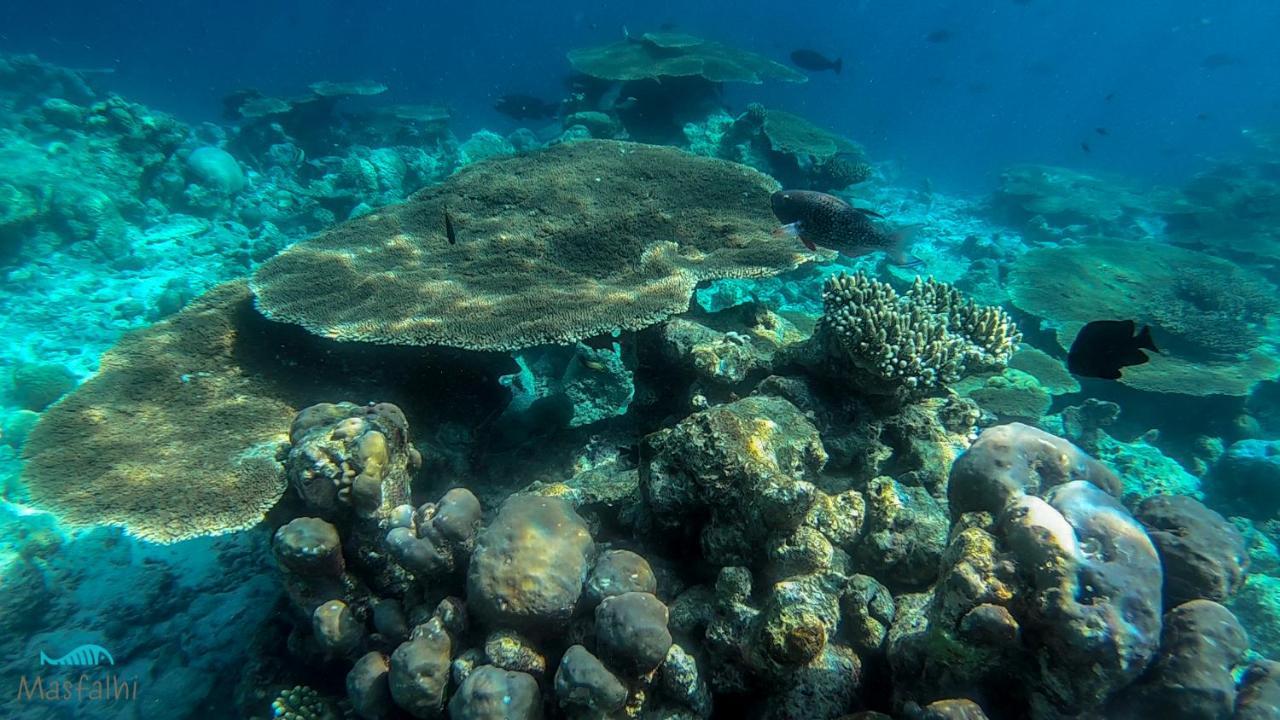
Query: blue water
{"points": [[1016, 82]]}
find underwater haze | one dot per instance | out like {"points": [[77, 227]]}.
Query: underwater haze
{"points": [[685, 361], [1013, 81]]}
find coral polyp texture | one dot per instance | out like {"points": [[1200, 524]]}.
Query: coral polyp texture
{"points": [[889, 344], [1208, 314], [552, 247], [657, 55], [172, 438]]}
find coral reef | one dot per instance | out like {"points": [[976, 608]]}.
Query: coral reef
{"points": [[1049, 371], [588, 384], [553, 247], [1191, 678], [1041, 548], [883, 343], [1206, 311], [171, 403], [1058, 200], [749, 466], [1011, 396], [1247, 478], [795, 151], [37, 386], [1203, 556], [529, 565], [792, 501], [657, 55]]}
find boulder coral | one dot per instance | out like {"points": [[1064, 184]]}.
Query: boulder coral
{"points": [[1191, 679], [748, 467], [1203, 555], [349, 456], [529, 565], [1041, 548], [553, 247]]}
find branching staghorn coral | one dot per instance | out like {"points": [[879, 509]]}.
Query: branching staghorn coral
{"points": [[891, 344]]}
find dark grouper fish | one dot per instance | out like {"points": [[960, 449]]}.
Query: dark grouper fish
{"points": [[821, 219], [816, 61], [1104, 347]]}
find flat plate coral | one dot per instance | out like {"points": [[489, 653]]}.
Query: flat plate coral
{"points": [[1207, 314], [657, 55], [551, 247], [171, 439]]}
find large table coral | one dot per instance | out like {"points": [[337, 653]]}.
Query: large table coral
{"points": [[1207, 313], [1062, 198], [655, 55], [552, 247], [172, 438]]}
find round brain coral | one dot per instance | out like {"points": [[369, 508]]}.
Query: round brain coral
{"points": [[552, 247], [172, 438]]}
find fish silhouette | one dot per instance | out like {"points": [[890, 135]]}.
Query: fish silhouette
{"points": [[82, 656]]}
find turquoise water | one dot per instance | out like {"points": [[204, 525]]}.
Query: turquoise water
{"points": [[417, 362]]}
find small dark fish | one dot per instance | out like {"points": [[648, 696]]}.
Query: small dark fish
{"points": [[668, 26], [526, 107], [1105, 346], [1110, 97], [448, 228], [816, 61], [821, 219], [939, 36], [1218, 60], [1085, 147], [1203, 116], [978, 88], [1102, 131]]}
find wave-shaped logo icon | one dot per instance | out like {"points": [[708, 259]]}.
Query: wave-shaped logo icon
{"points": [[83, 656]]}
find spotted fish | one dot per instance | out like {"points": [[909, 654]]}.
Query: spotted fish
{"points": [[821, 219], [82, 656]]}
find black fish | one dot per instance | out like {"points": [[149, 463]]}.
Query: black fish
{"points": [[448, 228], [1105, 346], [1085, 147], [816, 61], [1110, 97], [526, 107], [821, 219], [939, 36], [1102, 131]]}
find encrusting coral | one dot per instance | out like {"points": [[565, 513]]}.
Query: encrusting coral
{"points": [[171, 439], [884, 343], [551, 247]]}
